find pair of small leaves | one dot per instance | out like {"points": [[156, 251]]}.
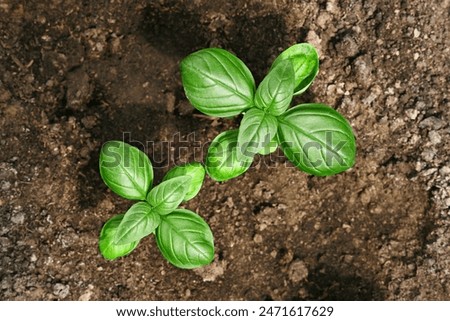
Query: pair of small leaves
{"points": [[143, 218], [316, 138], [183, 237], [128, 172], [168, 195], [195, 171]]}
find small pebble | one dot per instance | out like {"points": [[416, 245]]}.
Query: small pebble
{"points": [[444, 171], [86, 296], [18, 218], [257, 238], [434, 137], [412, 113], [6, 185], [61, 290], [428, 172], [170, 102], [432, 122], [428, 154], [230, 202], [297, 271]]}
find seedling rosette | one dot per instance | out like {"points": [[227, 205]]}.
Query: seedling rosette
{"points": [[314, 137], [182, 236]]}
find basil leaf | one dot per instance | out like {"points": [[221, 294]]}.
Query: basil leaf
{"points": [[255, 132], [185, 239], [317, 139], [305, 60], [139, 221], [221, 160], [169, 194], [108, 248], [125, 170], [197, 173], [269, 148], [217, 83], [274, 93]]}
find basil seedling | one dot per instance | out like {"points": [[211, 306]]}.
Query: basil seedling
{"points": [[315, 137], [182, 236]]}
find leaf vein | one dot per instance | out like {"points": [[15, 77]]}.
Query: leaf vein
{"points": [[221, 83], [308, 135]]}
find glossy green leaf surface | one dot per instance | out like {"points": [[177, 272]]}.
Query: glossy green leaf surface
{"points": [[166, 197], [106, 244], [270, 148], [125, 170], [317, 139], [274, 93], [185, 239], [139, 221], [197, 173], [305, 61], [217, 83], [221, 161], [255, 132]]}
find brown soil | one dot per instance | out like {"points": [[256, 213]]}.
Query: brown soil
{"points": [[74, 74]]}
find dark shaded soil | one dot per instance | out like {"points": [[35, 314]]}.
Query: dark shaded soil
{"points": [[74, 74]]}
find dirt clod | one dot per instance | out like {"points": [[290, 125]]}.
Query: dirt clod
{"points": [[61, 290], [79, 89]]}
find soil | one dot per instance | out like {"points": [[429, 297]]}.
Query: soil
{"points": [[75, 74]]}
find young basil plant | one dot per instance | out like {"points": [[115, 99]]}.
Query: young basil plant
{"points": [[182, 236], [315, 137]]}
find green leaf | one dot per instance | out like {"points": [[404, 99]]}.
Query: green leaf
{"points": [[185, 239], [217, 83], [221, 160], [125, 170], [255, 132], [317, 139], [269, 148], [305, 60], [274, 93], [169, 194], [139, 221], [108, 248], [197, 173]]}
